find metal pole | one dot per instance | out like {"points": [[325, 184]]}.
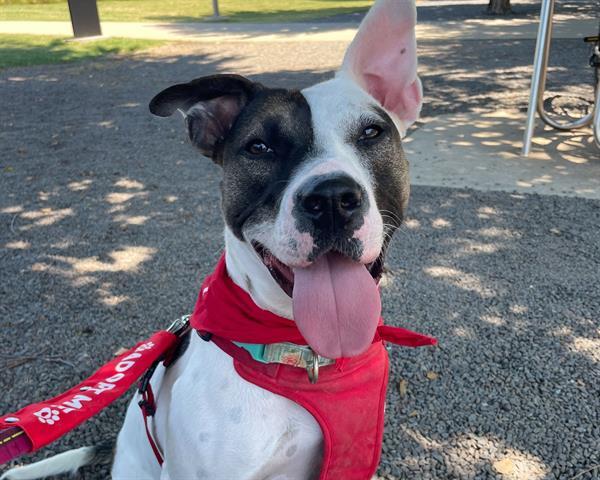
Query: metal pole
{"points": [[539, 67], [596, 122]]}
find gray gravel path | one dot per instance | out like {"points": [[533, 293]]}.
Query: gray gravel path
{"points": [[109, 221]]}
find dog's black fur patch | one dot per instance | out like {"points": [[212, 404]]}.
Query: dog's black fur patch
{"points": [[227, 113], [253, 184]]}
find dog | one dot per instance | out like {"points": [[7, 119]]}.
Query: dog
{"points": [[315, 182]]}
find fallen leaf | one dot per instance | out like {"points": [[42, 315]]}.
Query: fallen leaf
{"points": [[120, 351], [505, 466], [414, 413], [402, 387], [431, 375]]}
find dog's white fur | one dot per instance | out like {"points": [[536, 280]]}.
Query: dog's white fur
{"points": [[243, 263], [69, 461]]}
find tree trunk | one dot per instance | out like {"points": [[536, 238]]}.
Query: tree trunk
{"points": [[499, 7]]}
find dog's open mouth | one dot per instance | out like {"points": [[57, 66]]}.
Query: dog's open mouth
{"points": [[335, 300], [284, 275]]}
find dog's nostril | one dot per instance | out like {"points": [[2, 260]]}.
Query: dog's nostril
{"points": [[350, 201], [313, 203]]}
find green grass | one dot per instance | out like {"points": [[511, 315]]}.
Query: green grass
{"points": [[26, 50], [185, 10]]}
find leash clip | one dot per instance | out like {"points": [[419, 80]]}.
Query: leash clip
{"points": [[180, 326]]}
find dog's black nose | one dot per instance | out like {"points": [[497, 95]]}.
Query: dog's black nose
{"points": [[332, 203]]}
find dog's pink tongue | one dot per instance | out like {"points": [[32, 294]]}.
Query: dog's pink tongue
{"points": [[336, 306]]}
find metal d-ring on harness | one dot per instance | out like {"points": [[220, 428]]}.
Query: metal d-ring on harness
{"points": [[313, 368], [538, 83], [301, 356]]}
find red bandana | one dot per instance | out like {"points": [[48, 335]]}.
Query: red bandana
{"points": [[348, 399], [228, 311]]}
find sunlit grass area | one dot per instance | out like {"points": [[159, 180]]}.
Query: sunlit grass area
{"points": [[26, 50], [185, 10]]}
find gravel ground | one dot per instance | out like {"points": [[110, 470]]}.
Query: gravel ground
{"points": [[109, 221]]}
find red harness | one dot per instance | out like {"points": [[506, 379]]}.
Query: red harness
{"points": [[347, 401]]}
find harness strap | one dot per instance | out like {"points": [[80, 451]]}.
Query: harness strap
{"points": [[148, 408]]}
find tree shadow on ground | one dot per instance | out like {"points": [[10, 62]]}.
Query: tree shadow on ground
{"points": [[508, 281]]}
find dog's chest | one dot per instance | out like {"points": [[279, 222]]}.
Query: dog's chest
{"points": [[217, 425]]}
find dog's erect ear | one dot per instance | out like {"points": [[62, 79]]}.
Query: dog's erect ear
{"points": [[382, 58], [210, 106]]}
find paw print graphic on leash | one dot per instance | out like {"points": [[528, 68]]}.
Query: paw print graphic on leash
{"points": [[48, 415]]}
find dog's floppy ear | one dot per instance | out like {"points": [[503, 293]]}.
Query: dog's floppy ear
{"points": [[382, 58], [210, 106]]}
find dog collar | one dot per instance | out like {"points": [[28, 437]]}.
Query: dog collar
{"points": [[287, 353]]}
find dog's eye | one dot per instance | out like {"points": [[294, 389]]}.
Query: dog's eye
{"points": [[258, 147], [370, 132]]}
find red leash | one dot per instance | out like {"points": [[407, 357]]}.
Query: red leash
{"points": [[39, 424]]}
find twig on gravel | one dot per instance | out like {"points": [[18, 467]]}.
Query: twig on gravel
{"points": [[60, 360], [588, 470], [24, 353], [22, 360], [18, 362], [12, 223]]}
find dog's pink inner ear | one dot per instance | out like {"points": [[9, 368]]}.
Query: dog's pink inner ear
{"points": [[382, 58]]}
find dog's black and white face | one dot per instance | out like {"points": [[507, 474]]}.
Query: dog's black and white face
{"points": [[315, 181]]}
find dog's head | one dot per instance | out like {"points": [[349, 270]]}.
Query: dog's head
{"points": [[315, 182]]}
